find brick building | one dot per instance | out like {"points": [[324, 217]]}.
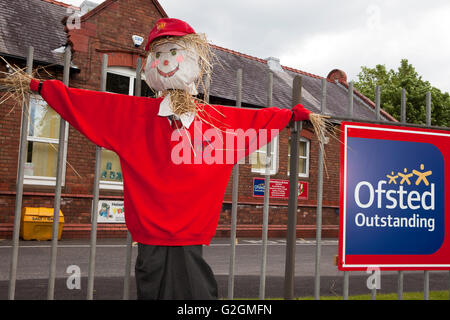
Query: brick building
{"points": [[108, 29]]}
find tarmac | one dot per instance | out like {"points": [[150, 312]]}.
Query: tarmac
{"points": [[32, 273]]}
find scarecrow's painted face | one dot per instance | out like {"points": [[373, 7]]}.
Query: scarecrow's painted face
{"points": [[172, 66]]}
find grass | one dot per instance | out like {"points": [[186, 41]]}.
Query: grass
{"points": [[434, 295]]}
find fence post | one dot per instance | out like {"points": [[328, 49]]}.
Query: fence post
{"points": [[129, 241], [234, 200], [402, 120], [426, 285], [323, 104], [350, 100], [378, 102], [59, 178], [291, 236], [428, 109], [400, 285], [378, 117], [94, 209], [19, 184], [426, 275], [265, 222], [346, 285], [350, 114], [403, 106]]}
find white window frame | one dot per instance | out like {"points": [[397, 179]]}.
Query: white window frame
{"points": [[274, 145], [130, 73], [43, 180], [307, 158], [126, 72]]}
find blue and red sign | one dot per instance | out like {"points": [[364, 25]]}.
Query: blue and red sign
{"points": [[395, 198], [279, 188]]}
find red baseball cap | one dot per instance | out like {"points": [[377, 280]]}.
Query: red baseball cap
{"points": [[168, 27]]}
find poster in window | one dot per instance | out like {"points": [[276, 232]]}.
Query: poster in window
{"points": [[111, 212]]}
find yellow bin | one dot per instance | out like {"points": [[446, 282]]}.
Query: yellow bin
{"points": [[36, 223]]}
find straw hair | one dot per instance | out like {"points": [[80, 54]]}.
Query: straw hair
{"points": [[16, 84], [323, 130]]}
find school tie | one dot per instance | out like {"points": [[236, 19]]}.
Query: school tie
{"points": [[176, 124]]}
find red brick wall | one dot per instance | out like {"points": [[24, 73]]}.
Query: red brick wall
{"points": [[250, 207], [109, 30]]}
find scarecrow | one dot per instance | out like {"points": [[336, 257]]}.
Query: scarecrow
{"points": [[187, 147]]}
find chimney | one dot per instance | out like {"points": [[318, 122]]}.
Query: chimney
{"points": [[274, 64], [337, 75]]}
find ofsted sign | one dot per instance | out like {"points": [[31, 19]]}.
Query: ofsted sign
{"points": [[394, 198]]}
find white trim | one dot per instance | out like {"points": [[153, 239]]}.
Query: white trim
{"points": [[345, 198], [400, 130], [406, 266], [307, 157], [111, 185], [122, 71], [43, 140], [39, 180], [126, 72]]}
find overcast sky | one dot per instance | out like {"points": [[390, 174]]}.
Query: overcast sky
{"points": [[318, 36]]}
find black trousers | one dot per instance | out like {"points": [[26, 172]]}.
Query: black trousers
{"points": [[173, 273]]}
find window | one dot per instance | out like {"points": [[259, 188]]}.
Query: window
{"points": [[118, 80], [42, 144], [303, 157], [123, 80], [258, 159]]}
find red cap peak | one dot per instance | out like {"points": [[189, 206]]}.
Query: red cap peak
{"points": [[168, 27]]}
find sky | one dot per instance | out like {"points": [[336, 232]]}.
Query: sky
{"points": [[322, 35]]}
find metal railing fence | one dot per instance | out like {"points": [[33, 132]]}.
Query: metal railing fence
{"points": [[295, 128]]}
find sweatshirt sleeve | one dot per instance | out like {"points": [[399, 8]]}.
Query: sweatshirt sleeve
{"points": [[102, 117], [251, 129]]}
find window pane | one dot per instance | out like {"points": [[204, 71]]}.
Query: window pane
{"points": [[117, 83], [41, 159], [302, 148], [258, 160], [302, 166], [44, 121], [146, 91], [110, 167]]}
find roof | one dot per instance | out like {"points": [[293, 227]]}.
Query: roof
{"points": [[38, 23], [107, 3], [34, 23], [254, 86]]}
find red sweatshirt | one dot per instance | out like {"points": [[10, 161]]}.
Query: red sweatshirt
{"points": [[167, 202]]}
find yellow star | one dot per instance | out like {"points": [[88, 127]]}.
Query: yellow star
{"points": [[422, 176], [392, 178], [405, 177]]}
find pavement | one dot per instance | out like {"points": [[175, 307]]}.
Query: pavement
{"points": [[34, 256]]}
